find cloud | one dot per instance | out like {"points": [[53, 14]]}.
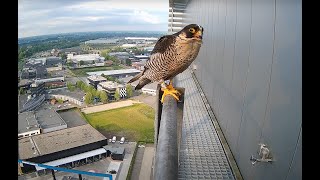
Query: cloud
{"points": [[38, 17], [139, 15]]}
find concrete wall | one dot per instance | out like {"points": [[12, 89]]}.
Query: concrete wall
{"points": [[249, 67], [63, 97]]}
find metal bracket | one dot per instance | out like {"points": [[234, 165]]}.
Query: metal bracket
{"points": [[264, 154]]}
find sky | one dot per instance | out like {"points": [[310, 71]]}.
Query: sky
{"points": [[41, 17]]}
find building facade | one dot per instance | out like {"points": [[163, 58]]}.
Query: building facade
{"points": [[249, 68], [111, 87]]}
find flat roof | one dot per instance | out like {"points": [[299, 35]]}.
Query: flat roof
{"points": [[96, 78], [85, 57], [44, 118], [110, 84], [142, 38], [114, 72], [102, 41], [77, 94], [114, 149], [58, 141]]}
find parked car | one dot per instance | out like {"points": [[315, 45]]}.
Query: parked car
{"points": [[114, 139], [122, 140]]}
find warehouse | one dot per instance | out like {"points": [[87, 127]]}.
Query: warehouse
{"points": [[68, 147]]}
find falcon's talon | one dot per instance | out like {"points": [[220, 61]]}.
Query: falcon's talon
{"points": [[170, 91]]}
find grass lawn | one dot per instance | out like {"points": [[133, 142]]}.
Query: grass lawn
{"points": [[134, 122], [83, 71]]}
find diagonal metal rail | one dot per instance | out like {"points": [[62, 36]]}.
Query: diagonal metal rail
{"points": [[67, 170]]}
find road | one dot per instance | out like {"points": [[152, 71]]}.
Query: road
{"points": [[108, 106]]}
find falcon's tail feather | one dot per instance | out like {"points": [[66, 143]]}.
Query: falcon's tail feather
{"points": [[135, 77], [142, 83]]}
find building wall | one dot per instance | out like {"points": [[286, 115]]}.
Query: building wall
{"points": [[29, 133], [149, 91], [55, 128], [249, 68], [64, 98]]}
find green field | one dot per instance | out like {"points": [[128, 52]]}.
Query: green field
{"points": [[133, 122], [83, 71]]}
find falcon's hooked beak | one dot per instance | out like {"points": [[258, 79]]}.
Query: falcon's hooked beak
{"points": [[199, 33]]}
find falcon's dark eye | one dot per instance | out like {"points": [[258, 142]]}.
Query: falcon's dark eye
{"points": [[192, 30]]}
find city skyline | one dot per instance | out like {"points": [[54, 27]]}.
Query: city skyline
{"points": [[37, 18]]}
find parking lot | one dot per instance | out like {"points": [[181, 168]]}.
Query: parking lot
{"points": [[72, 117]]}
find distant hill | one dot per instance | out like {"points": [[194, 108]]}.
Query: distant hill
{"points": [[85, 36], [31, 45]]}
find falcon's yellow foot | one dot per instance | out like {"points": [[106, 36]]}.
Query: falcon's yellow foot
{"points": [[170, 90]]}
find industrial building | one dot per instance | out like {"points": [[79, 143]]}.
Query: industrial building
{"points": [[111, 87], [121, 56], [33, 102], [34, 71], [75, 96], [116, 73], [36, 88], [85, 58], [67, 147], [103, 41], [94, 80], [38, 68], [53, 61], [36, 122], [115, 152]]}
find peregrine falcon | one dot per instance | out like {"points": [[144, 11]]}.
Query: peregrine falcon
{"points": [[171, 55]]}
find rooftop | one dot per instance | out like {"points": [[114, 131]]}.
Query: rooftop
{"points": [[141, 38], [114, 72], [86, 57], [114, 149], [102, 41], [58, 141], [77, 94], [96, 78], [44, 118], [110, 84], [119, 54]]}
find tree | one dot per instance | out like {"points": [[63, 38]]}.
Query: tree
{"points": [[103, 96], [70, 86], [84, 87], [21, 91], [104, 53], [60, 101], [79, 84], [90, 89], [128, 62], [63, 56], [117, 95], [88, 99], [129, 90], [94, 92]]}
